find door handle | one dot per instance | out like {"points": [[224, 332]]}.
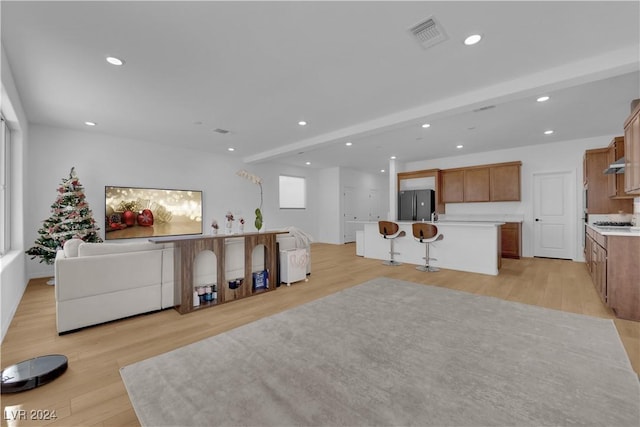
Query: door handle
{"points": [[537, 219]]}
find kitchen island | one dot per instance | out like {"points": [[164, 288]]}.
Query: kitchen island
{"points": [[472, 246]]}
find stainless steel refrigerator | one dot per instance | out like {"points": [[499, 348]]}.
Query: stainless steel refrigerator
{"points": [[416, 205]]}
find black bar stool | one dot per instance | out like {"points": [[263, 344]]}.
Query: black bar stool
{"points": [[427, 234], [390, 230]]}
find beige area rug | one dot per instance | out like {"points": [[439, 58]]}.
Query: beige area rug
{"points": [[394, 353]]}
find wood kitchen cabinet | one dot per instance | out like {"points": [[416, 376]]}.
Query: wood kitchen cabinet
{"points": [[598, 200], [613, 263], [615, 182], [511, 240], [505, 182], [632, 152], [484, 183], [623, 276], [588, 246], [476, 185], [596, 257], [601, 273], [452, 186]]}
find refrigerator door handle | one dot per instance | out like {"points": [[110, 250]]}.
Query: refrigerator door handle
{"points": [[415, 207]]}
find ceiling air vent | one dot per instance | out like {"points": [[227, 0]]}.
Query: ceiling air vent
{"points": [[428, 33], [222, 131], [485, 108]]}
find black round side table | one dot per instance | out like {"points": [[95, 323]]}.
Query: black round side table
{"points": [[33, 373]]}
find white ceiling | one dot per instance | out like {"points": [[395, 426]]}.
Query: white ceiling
{"points": [[350, 69]]}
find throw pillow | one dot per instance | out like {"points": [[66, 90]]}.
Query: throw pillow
{"points": [[70, 247], [96, 249]]}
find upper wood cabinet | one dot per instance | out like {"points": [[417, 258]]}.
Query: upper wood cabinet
{"points": [[632, 152], [486, 183], [505, 182], [598, 200], [615, 182], [476, 185], [452, 186]]}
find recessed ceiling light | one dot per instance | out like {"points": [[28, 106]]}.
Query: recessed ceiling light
{"points": [[392, 157], [473, 39], [231, 149], [548, 132], [382, 170], [90, 123], [543, 98], [426, 125], [459, 146], [302, 123], [307, 163], [348, 144], [114, 61]]}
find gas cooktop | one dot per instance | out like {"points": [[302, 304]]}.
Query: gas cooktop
{"points": [[612, 224]]}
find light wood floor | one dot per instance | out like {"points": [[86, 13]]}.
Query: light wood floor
{"points": [[91, 392]]}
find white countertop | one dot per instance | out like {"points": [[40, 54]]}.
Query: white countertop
{"points": [[446, 222], [616, 231], [483, 217]]}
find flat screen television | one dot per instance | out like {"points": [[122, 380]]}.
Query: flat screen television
{"points": [[132, 212]]}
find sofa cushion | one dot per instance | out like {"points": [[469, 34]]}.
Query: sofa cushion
{"points": [[71, 247], [82, 277], [94, 249]]}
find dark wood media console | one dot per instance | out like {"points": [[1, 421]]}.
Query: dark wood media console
{"points": [[186, 248]]}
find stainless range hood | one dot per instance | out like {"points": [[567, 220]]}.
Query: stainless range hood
{"points": [[616, 167]]}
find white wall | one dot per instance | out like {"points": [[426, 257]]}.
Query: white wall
{"points": [[102, 160], [328, 202], [13, 277], [553, 157], [274, 217]]}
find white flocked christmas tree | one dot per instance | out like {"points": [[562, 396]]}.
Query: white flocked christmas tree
{"points": [[70, 218]]}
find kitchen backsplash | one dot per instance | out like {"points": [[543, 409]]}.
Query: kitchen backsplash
{"points": [[633, 218]]}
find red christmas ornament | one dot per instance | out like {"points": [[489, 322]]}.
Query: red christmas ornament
{"points": [[145, 218], [129, 218]]}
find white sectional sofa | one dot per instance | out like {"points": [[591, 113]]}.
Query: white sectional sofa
{"points": [[99, 282]]}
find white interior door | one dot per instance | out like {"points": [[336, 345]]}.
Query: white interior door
{"points": [[350, 214], [554, 219]]}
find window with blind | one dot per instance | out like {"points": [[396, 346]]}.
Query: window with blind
{"points": [[293, 192]]}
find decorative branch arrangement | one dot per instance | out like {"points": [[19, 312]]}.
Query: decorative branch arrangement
{"points": [[258, 181]]}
